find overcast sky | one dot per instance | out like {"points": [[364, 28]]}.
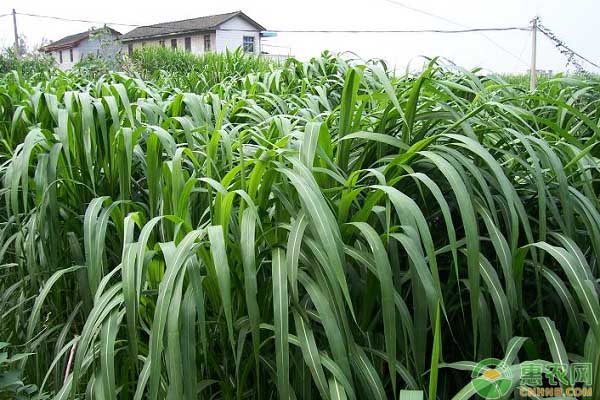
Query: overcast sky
{"points": [[574, 21]]}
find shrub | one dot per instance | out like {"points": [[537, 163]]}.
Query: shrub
{"points": [[11, 385], [27, 65], [92, 67]]}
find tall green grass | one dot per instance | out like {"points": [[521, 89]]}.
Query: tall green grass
{"points": [[190, 72], [28, 65], [311, 230]]}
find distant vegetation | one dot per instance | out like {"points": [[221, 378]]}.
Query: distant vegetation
{"points": [[191, 72], [27, 65], [226, 227], [524, 79]]}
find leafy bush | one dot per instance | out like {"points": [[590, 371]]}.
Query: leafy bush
{"points": [[11, 386], [92, 67], [27, 65]]}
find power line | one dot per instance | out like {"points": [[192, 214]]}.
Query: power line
{"points": [[430, 14], [524, 47], [77, 20], [163, 26], [504, 49], [512, 28], [563, 48], [466, 29]]}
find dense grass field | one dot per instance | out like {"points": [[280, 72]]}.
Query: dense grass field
{"points": [[237, 229]]}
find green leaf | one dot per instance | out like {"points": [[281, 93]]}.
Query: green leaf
{"points": [[280, 312]]}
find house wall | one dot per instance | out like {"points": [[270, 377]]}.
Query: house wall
{"points": [[101, 45], [67, 63], [231, 34], [197, 42], [231, 38]]}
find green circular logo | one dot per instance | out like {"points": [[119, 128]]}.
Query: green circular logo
{"points": [[492, 379]]}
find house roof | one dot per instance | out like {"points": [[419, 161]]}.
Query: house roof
{"points": [[72, 40], [207, 23]]}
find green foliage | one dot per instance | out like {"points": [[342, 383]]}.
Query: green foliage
{"points": [[238, 229], [11, 386], [150, 59], [92, 67], [523, 79], [190, 72], [27, 65]]}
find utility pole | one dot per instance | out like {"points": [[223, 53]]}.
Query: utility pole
{"points": [[14, 13], [533, 76]]}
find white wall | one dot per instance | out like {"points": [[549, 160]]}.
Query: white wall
{"points": [[98, 46], [66, 64], [231, 33], [197, 42], [229, 36]]}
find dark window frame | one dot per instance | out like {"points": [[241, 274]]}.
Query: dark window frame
{"points": [[71, 54], [60, 58], [207, 42], [161, 43], [130, 49], [188, 43], [174, 44], [248, 44]]}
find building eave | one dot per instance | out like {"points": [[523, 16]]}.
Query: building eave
{"points": [[167, 35], [64, 46], [74, 43], [242, 15]]}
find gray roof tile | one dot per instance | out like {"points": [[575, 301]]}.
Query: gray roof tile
{"points": [[208, 23], [71, 40]]}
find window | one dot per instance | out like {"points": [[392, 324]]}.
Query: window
{"points": [[249, 44], [188, 44], [173, 43], [130, 49], [206, 43], [161, 43], [60, 56], [71, 54]]}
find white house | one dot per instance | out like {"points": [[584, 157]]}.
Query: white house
{"points": [[199, 35], [71, 49]]}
